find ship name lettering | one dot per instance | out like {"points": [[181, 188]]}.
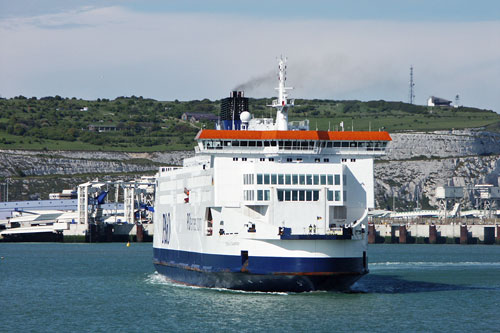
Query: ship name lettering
{"points": [[166, 229], [192, 223]]}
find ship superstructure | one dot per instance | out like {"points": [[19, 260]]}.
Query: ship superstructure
{"points": [[268, 207]]}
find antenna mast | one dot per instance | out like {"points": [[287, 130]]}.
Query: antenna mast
{"points": [[411, 98], [282, 104]]}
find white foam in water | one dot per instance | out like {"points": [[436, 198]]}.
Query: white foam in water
{"points": [[426, 264], [158, 279]]}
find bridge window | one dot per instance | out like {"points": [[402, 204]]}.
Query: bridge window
{"points": [[337, 195], [280, 195], [248, 179], [267, 195], [329, 195], [260, 195], [308, 195], [248, 195], [296, 195]]}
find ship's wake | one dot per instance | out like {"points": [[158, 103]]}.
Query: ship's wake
{"points": [[393, 284], [396, 265], [158, 279]]}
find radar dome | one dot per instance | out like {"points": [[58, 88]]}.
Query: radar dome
{"points": [[245, 116]]}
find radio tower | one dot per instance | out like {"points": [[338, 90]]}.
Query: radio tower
{"points": [[411, 98]]}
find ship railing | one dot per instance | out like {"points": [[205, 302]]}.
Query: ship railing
{"points": [[298, 149]]}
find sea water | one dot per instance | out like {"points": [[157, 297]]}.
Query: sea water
{"points": [[53, 287]]}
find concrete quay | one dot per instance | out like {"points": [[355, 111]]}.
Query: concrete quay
{"points": [[75, 232], [432, 233]]}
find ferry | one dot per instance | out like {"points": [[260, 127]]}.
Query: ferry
{"points": [[267, 204]]}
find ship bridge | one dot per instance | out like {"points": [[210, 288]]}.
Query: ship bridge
{"points": [[303, 142]]}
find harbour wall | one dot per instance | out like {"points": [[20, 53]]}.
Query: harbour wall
{"points": [[79, 233], [108, 233], [453, 233]]}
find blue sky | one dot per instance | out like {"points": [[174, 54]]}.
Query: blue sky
{"points": [[420, 10], [167, 50]]}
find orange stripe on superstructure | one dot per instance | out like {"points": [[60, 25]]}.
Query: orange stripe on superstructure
{"points": [[293, 135]]}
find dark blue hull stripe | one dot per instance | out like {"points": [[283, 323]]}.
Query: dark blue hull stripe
{"points": [[258, 273]]}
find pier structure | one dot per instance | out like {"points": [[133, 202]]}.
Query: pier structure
{"points": [[488, 198], [103, 211], [447, 196], [138, 197], [483, 198], [434, 231]]}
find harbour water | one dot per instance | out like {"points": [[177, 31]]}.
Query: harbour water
{"points": [[108, 287]]}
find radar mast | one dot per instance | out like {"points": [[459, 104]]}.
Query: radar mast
{"points": [[282, 104]]}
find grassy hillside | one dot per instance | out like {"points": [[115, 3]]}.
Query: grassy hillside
{"points": [[55, 123]]}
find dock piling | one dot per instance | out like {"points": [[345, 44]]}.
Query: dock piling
{"points": [[402, 234], [464, 235], [432, 234], [372, 234], [140, 233]]}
